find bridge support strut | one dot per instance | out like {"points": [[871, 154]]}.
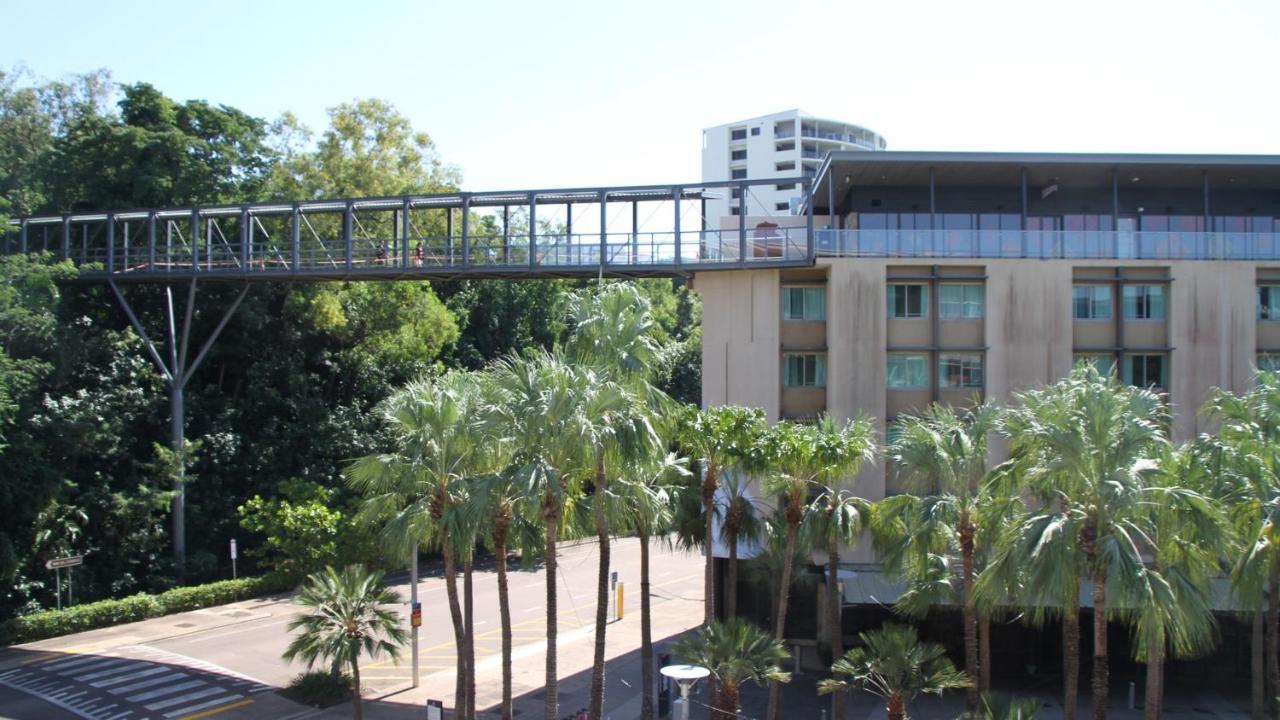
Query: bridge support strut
{"points": [[177, 373]]}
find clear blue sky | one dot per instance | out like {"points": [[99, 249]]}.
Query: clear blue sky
{"points": [[547, 93]]}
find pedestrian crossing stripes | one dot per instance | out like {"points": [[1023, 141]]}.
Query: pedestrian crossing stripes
{"points": [[133, 683]]}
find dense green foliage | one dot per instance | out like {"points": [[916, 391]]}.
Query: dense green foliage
{"points": [[286, 395], [319, 688]]}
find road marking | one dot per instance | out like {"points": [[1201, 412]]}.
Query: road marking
{"points": [[147, 683], [131, 676], [214, 710], [72, 662], [168, 690], [197, 695], [41, 658], [115, 667]]}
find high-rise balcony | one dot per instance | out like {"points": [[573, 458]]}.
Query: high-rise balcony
{"points": [[1046, 244]]}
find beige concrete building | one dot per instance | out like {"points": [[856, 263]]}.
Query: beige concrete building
{"points": [[954, 277]]}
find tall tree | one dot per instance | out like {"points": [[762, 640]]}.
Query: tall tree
{"points": [[716, 437], [416, 489], [943, 456], [795, 459], [740, 521], [347, 618], [1084, 449]]}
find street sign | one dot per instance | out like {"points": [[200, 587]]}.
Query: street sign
{"points": [[415, 616], [234, 555], [65, 562], [435, 710]]}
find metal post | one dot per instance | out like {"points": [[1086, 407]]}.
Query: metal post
{"points": [[742, 223], [831, 202], [810, 245], [348, 216], [151, 240], [466, 230], [71, 594], [1115, 218], [66, 237], [604, 235], [22, 237], [57, 584], [295, 236], [568, 230], [111, 243], [195, 239], [413, 603], [533, 230], [406, 226], [933, 209], [635, 230], [1022, 223], [676, 196], [125, 255], [177, 442], [448, 235]]}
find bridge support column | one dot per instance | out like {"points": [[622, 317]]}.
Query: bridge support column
{"points": [[177, 373]]}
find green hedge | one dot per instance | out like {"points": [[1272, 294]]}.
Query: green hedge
{"points": [[105, 613]]}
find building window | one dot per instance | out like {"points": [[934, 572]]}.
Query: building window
{"points": [[804, 370], [784, 207], [785, 186], [755, 131], [804, 303], [1143, 302], [960, 371], [1104, 363], [785, 146], [908, 301], [1269, 362], [957, 301], [1141, 370], [739, 134], [784, 166], [735, 193], [735, 210], [1091, 302], [907, 371], [738, 155], [1269, 302], [738, 175]]}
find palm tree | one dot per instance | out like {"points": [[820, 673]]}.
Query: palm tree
{"points": [[717, 438], [347, 618], [415, 490], [735, 652], [1084, 449], [612, 333], [740, 521], [838, 518], [795, 460], [1249, 443], [645, 497], [895, 665], [1186, 532], [943, 457], [552, 412]]}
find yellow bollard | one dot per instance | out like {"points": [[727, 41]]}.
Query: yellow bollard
{"points": [[618, 604]]}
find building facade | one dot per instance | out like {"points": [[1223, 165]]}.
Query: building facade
{"points": [[782, 145]]}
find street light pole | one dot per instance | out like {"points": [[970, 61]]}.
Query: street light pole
{"points": [[415, 613]]}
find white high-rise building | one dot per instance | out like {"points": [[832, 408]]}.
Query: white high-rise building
{"points": [[787, 144]]}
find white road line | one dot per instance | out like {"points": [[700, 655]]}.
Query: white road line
{"points": [[11, 671], [69, 698], [168, 690], [99, 712], [131, 676], [60, 665], [147, 683], [199, 694], [124, 714], [482, 622], [105, 670], [531, 609], [101, 663], [203, 706]]}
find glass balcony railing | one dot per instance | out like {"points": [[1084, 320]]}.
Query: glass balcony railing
{"points": [[812, 132], [1105, 245]]}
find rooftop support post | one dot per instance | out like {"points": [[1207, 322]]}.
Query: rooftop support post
{"points": [[533, 230], [933, 209], [66, 237], [111, 243], [810, 243], [1115, 213], [677, 196], [448, 235], [348, 241], [151, 241], [1022, 223], [635, 230], [831, 202], [22, 237], [466, 231], [295, 236], [568, 229], [742, 224], [604, 234]]}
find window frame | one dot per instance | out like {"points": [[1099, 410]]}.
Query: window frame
{"points": [[946, 357], [1093, 301], [1126, 369], [788, 302], [817, 381], [906, 374], [1272, 358], [1272, 309], [1143, 298], [1092, 358], [963, 302], [892, 304]]}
